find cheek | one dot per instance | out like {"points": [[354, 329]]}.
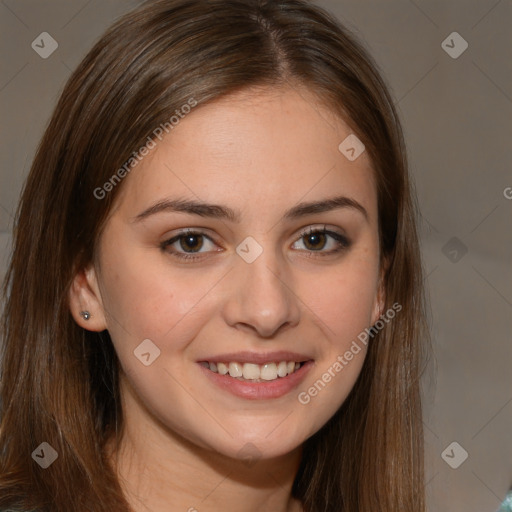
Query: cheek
{"points": [[343, 302], [144, 298], [344, 298]]}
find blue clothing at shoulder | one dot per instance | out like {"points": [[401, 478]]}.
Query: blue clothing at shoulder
{"points": [[506, 506]]}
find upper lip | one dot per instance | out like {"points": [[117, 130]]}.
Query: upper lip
{"points": [[257, 357]]}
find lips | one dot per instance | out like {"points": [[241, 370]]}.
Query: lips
{"points": [[255, 366], [256, 375], [254, 372]]}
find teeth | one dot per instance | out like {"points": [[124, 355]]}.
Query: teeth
{"points": [[222, 368], [251, 371], [254, 372], [282, 370], [235, 369], [269, 371]]}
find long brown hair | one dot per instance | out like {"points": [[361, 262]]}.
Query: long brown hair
{"points": [[60, 382]]}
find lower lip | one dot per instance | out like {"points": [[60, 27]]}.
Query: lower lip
{"points": [[259, 390]]}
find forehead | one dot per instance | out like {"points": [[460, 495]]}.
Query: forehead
{"points": [[253, 150]]}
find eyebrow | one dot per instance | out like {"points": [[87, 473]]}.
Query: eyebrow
{"points": [[217, 211]]}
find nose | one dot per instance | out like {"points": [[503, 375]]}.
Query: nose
{"points": [[261, 296]]}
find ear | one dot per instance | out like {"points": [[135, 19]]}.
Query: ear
{"points": [[380, 296], [84, 295]]}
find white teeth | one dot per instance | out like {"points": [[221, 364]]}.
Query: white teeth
{"points": [[251, 371], [269, 371], [222, 368], [255, 372], [235, 370], [281, 369]]}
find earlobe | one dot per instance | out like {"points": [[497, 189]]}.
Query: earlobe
{"points": [[85, 301], [378, 308], [380, 299]]}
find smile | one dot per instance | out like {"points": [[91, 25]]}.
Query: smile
{"points": [[254, 372], [254, 381]]}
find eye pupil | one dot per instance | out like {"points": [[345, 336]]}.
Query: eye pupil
{"points": [[315, 238], [189, 240]]}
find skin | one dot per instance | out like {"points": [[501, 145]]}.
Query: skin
{"points": [[259, 152]]}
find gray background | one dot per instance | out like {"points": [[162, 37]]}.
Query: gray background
{"points": [[458, 125]]}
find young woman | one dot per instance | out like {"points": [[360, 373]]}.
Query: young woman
{"points": [[215, 296]]}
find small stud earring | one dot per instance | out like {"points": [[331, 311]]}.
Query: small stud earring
{"points": [[85, 315]]}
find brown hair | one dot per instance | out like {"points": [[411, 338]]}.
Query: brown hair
{"points": [[60, 382]]}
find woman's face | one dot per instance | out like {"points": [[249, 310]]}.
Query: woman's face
{"points": [[257, 287]]}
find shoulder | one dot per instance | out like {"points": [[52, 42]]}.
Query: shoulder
{"points": [[506, 506]]}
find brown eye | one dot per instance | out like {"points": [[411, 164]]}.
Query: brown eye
{"points": [[188, 245], [191, 242], [316, 240]]}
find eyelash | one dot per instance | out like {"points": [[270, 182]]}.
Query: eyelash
{"points": [[343, 243]]}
